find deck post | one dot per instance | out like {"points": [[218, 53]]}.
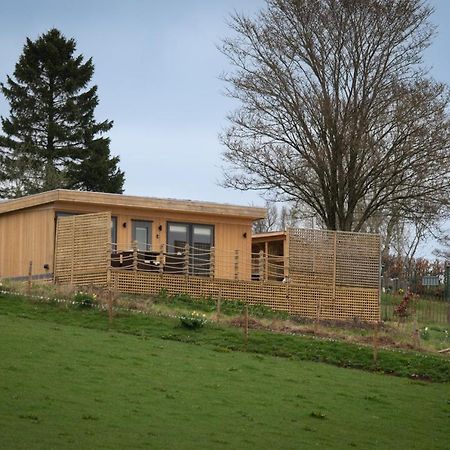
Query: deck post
{"points": [[161, 259], [261, 265], [135, 256], [186, 259], [212, 263]]}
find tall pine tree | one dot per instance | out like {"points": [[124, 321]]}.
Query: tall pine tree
{"points": [[51, 139]]}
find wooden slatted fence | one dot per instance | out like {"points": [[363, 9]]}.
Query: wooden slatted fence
{"points": [[332, 275]]}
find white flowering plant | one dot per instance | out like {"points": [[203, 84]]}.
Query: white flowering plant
{"points": [[194, 320], [425, 333], [84, 299]]}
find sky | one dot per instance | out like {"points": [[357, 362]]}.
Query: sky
{"points": [[158, 69]]}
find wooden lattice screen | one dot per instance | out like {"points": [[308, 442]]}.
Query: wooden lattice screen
{"points": [[342, 268], [332, 275], [83, 249]]}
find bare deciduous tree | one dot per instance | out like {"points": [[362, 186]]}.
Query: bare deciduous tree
{"points": [[270, 221], [337, 112], [278, 218]]}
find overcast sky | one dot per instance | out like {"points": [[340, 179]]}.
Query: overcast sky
{"points": [[157, 69]]}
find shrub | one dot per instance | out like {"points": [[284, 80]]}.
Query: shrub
{"points": [[193, 320], [403, 310], [84, 300]]}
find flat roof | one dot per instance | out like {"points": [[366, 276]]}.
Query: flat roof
{"points": [[132, 201], [270, 234]]}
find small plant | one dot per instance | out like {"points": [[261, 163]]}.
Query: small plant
{"points": [[84, 300], [425, 333], [193, 320], [162, 294], [403, 310]]}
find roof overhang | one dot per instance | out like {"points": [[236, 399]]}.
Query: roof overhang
{"points": [[131, 201], [271, 235]]}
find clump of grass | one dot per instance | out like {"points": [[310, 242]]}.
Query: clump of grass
{"points": [[208, 304], [89, 417]]}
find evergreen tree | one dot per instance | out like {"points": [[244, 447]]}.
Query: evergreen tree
{"points": [[51, 139]]}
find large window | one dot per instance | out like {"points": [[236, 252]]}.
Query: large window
{"points": [[142, 233], [200, 239]]}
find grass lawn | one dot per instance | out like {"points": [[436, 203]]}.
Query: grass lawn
{"points": [[66, 386]]}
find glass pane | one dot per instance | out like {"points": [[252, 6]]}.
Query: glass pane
{"points": [[141, 238], [201, 249], [177, 237], [142, 234]]}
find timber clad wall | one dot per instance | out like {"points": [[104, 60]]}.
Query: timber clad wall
{"points": [[26, 236]]}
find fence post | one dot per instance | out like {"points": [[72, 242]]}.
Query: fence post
{"points": [[186, 259], [236, 264], [246, 327], [219, 301], [161, 259], [30, 273], [261, 265], [110, 306], [447, 290], [135, 256], [212, 263], [416, 333], [334, 265], [375, 344]]}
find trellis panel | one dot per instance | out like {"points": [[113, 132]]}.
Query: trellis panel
{"points": [[83, 249], [339, 258], [305, 301]]}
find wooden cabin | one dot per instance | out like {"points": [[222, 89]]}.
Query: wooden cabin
{"points": [[269, 256], [149, 225]]}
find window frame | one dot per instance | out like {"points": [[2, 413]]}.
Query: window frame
{"points": [[149, 233]]}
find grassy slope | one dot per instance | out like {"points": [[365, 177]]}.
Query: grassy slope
{"points": [[408, 364], [63, 386]]}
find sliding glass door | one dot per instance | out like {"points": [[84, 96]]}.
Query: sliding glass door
{"points": [[200, 239]]}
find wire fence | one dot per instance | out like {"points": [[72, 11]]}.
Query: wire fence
{"points": [[426, 310]]}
